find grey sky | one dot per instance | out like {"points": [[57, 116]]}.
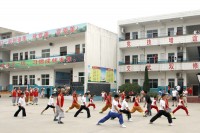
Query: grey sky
{"points": [[39, 15]]}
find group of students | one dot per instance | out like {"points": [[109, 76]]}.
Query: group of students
{"points": [[31, 96], [118, 106]]}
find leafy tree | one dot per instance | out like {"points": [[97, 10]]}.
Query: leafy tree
{"points": [[146, 86], [130, 87]]}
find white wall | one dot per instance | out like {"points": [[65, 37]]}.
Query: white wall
{"points": [[4, 79], [76, 69], [54, 50], [37, 74]]}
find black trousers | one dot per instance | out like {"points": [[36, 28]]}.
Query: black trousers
{"points": [[23, 111], [49, 106], [159, 114], [125, 112], [81, 108]]}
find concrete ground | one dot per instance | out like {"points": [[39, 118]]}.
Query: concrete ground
{"points": [[36, 123]]}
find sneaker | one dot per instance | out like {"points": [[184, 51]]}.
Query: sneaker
{"points": [[98, 123], [173, 117], [130, 120], [88, 116], [101, 112], [60, 122], [66, 111], [144, 115], [150, 122], [188, 115], [170, 124], [55, 119], [123, 126], [172, 105]]}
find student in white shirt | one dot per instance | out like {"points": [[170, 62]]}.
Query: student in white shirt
{"points": [[83, 106], [50, 104], [162, 111], [124, 109], [114, 112], [174, 96], [21, 105], [185, 94]]}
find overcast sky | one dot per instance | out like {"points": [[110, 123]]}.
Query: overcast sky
{"points": [[39, 15]]}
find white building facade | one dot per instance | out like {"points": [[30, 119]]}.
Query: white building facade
{"points": [[65, 56], [169, 45]]}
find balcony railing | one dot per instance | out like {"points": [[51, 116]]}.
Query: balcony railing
{"points": [[72, 58]]}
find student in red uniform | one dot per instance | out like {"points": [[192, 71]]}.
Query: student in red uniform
{"points": [[18, 94], [31, 96], [137, 107], [59, 106], [108, 103], [14, 96], [154, 105], [27, 96], [74, 102], [91, 103], [35, 94], [181, 106]]}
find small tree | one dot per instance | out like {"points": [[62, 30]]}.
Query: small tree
{"points": [[146, 86], [130, 87]]}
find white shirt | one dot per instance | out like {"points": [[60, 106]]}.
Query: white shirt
{"points": [[51, 101], [174, 93], [154, 102], [114, 103], [83, 100], [124, 105], [178, 88], [22, 101], [162, 104], [102, 94], [180, 102]]}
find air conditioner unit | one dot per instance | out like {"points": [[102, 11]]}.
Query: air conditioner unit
{"points": [[123, 30], [180, 48], [179, 75]]}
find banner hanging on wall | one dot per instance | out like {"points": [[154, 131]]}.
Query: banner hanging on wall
{"points": [[101, 74]]}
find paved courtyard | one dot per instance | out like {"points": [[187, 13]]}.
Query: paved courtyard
{"points": [[36, 123]]}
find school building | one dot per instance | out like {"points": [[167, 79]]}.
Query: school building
{"points": [[169, 45], [81, 56]]}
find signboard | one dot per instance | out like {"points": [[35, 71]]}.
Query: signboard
{"points": [[101, 74], [43, 61], [43, 35]]}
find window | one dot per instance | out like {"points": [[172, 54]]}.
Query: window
{"points": [[26, 55], [21, 56], [134, 35], [152, 33], [45, 53], [32, 79], [83, 48], [135, 81], [127, 59], [171, 83], [20, 80], [153, 83], [25, 79], [32, 54], [45, 79], [81, 76], [152, 58], [63, 51], [15, 57], [135, 59], [170, 57], [127, 81], [77, 49], [15, 80], [170, 31], [127, 36], [179, 31]]}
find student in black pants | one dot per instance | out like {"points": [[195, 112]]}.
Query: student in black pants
{"points": [[21, 105], [162, 111], [83, 106]]}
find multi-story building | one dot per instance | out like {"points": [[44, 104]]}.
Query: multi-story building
{"points": [[169, 45], [4, 54], [82, 56]]}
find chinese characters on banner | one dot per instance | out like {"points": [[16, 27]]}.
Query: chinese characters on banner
{"points": [[148, 41], [149, 67], [109, 75], [128, 68], [195, 65], [195, 38], [171, 66], [171, 40], [128, 44]]}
